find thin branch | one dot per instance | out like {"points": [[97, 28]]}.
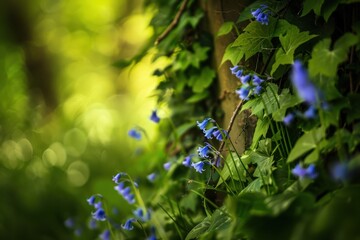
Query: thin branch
{"points": [[231, 123], [173, 24]]}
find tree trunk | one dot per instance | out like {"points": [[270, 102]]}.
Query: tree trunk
{"points": [[217, 12]]}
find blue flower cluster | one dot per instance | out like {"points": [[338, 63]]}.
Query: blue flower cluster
{"points": [[251, 83], [125, 192], [302, 172], [204, 151], [99, 213], [307, 91], [261, 14], [219, 134]]}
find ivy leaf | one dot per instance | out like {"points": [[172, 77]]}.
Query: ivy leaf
{"points": [[197, 97], [328, 8], [193, 58], [200, 82], [312, 5], [233, 54], [305, 143], [286, 100], [290, 40], [256, 38], [225, 28], [325, 61]]}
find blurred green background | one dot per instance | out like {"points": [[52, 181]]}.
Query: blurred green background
{"points": [[65, 109]]}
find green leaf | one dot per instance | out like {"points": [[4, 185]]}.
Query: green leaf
{"points": [[256, 107], [254, 186], [261, 129], [199, 229], [271, 99], [325, 61], [313, 157], [305, 143], [328, 8], [312, 5], [290, 40], [218, 221], [184, 128], [286, 100], [197, 97], [233, 166], [191, 58], [256, 38], [200, 82], [233, 54], [225, 28]]}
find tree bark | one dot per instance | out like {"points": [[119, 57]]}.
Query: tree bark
{"points": [[217, 12]]}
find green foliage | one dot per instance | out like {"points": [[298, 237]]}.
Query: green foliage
{"points": [[325, 61], [272, 182], [290, 41]]}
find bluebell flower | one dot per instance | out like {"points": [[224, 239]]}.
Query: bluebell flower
{"points": [[199, 166], [91, 200], [257, 90], [69, 223], [92, 224], [257, 81], [134, 134], [203, 151], [203, 124], [152, 237], [139, 213], [167, 166], [128, 224], [130, 198], [340, 171], [243, 93], [209, 133], [304, 87], [154, 117], [117, 177], [187, 161], [152, 234], [120, 187], [288, 119], [105, 235], [261, 15], [78, 232], [310, 113], [217, 161], [234, 69], [98, 205], [239, 74], [99, 214], [245, 79], [126, 191], [219, 134], [302, 172], [151, 177]]}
